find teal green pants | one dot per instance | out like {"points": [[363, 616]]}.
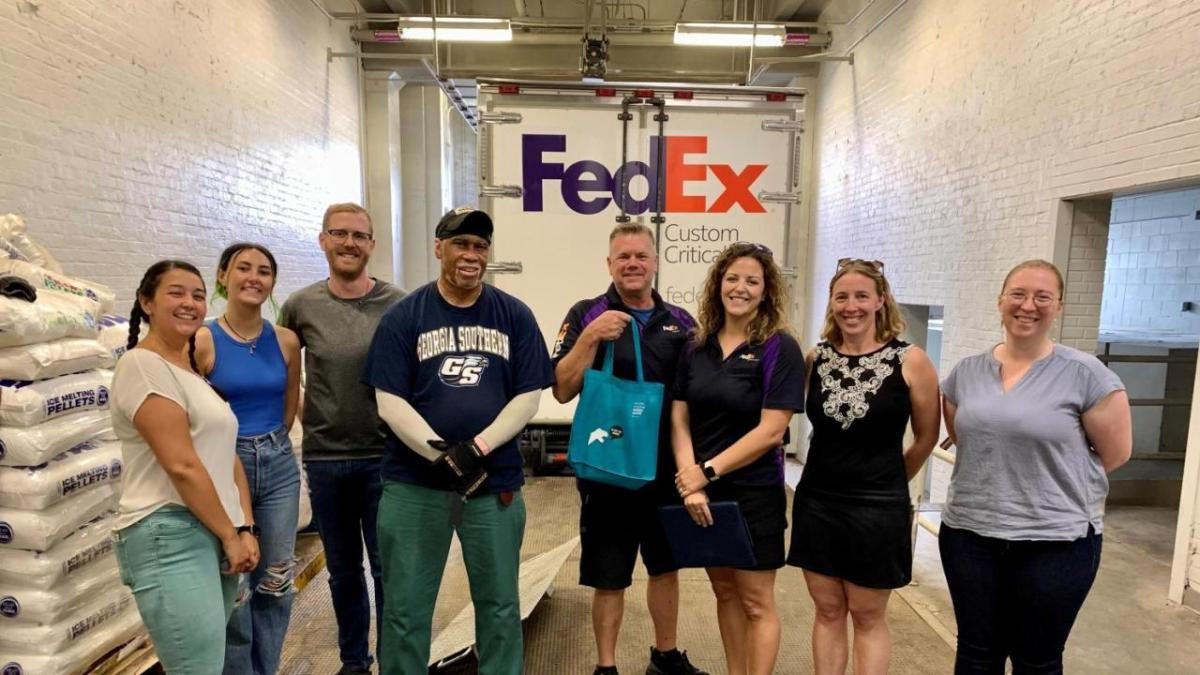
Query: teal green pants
{"points": [[172, 564], [415, 524]]}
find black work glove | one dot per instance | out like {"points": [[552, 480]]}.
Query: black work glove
{"points": [[462, 463]]}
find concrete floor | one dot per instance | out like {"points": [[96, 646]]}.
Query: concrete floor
{"points": [[558, 637], [1127, 625]]}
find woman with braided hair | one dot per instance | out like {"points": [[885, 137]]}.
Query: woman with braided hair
{"points": [[257, 365], [184, 526]]}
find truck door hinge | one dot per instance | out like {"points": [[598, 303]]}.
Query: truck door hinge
{"points": [[505, 267], [783, 125], [510, 191], [779, 197], [500, 118]]}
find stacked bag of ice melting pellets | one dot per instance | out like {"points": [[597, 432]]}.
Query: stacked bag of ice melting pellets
{"points": [[62, 603]]}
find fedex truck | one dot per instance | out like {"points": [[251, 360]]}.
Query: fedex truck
{"points": [[560, 164]]}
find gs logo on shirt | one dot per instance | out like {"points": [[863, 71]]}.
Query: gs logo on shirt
{"points": [[462, 371]]}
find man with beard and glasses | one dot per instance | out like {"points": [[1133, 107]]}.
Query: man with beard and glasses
{"points": [[343, 439], [458, 368]]}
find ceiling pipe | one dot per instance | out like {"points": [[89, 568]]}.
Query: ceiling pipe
{"points": [[850, 50], [324, 11]]}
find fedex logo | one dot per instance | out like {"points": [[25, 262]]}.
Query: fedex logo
{"points": [[588, 187]]}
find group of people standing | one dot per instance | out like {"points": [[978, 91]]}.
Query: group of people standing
{"points": [[1038, 426], [413, 405]]}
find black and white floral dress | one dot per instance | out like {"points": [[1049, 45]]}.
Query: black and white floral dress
{"points": [[851, 517]]}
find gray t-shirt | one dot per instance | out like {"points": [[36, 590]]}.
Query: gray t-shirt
{"points": [[1025, 469], [340, 417]]}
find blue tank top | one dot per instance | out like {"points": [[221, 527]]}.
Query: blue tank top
{"points": [[254, 377]]}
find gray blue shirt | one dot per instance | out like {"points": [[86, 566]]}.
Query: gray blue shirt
{"points": [[1025, 469]]}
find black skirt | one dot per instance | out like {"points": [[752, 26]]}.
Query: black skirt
{"points": [[765, 509], [868, 544]]}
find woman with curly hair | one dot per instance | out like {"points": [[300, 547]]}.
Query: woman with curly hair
{"points": [[738, 385], [851, 518]]}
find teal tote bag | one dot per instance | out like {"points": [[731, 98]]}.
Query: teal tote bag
{"points": [[614, 436]]}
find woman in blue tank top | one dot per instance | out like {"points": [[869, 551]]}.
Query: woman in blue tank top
{"points": [[257, 366]]}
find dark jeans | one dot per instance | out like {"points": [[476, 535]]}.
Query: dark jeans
{"points": [[345, 503], [1015, 599]]}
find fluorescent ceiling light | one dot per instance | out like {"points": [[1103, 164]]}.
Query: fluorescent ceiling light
{"points": [[455, 29], [730, 34]]}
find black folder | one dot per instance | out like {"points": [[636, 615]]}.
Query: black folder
{"points": [[725, 543]]}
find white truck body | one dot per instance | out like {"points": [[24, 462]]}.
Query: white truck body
{"points": [[556, 162]]}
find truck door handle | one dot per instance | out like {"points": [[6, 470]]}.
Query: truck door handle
{"points": [[506, 267]]}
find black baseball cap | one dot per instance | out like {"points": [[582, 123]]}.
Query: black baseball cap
{"points": [[464, 220]]}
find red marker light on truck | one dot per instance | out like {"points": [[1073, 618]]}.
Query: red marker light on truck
{"points": [[684, 95], [509, 89], [643, 93], [606, 91]]}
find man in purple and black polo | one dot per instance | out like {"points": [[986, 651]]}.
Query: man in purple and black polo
{"points": [[615, 523]]}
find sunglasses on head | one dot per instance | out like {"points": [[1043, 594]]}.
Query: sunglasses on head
{"points": [[876, 265], [754, 247]]}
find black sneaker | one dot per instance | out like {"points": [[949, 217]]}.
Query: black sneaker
{"points": [[673, 662], [605, 670], [353, 670]]}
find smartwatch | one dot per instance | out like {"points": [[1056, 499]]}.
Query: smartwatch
{"points": [[710, 472], [253, 529]]}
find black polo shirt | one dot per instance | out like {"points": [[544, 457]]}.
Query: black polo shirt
{"points": [[726, 397], [664, 336]]}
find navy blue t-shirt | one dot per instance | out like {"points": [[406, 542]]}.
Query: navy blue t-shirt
{"points": [[726, 397], [458, 367]]}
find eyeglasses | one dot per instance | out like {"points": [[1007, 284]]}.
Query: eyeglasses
{"points": [[876, 265], [754, 247], [1039, 299], [339, 236]]}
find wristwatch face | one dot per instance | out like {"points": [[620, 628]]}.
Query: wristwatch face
{"points": [[709, 472]]}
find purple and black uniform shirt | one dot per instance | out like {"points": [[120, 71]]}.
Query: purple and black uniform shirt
{"points": [[726, 397], [664, 336]]}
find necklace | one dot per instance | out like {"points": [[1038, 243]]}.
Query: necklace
{"points": [[252, 342]]}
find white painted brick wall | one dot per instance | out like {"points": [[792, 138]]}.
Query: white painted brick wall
{"points": [[1154, 263], [946, 148], [1085, 271], [132, 131]]}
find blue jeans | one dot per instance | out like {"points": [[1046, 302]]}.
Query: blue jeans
{"points": [[1015, 599], [172, 563], [345, 503], [254, 637]]}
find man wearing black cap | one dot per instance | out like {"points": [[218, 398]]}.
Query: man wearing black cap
{"points": [[458, 367]]}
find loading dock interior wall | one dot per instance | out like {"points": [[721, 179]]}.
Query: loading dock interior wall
{"points": [[947, 149], [134, 131]]}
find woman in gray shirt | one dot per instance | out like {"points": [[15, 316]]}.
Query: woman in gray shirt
{"points": [[1038, 426]]}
